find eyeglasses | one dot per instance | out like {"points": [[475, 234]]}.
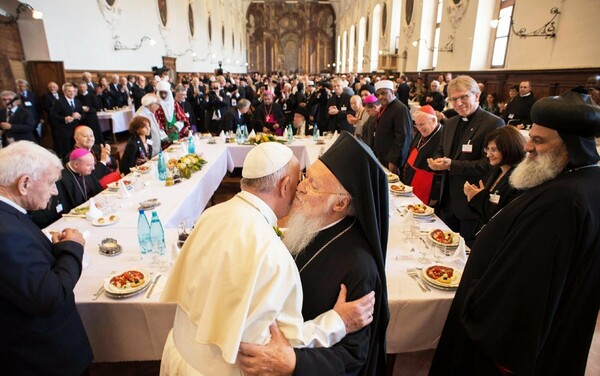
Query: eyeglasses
{"points": [[490, 150], [462, 98], [309, 188]]}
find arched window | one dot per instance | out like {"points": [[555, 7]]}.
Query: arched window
{"points": [[351, 44], [502, 25], [360, 51], [375, 38]]}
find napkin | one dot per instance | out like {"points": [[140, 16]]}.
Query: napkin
{"points": [[94, 212], [252, 134], [123, 192], [222, 136]]}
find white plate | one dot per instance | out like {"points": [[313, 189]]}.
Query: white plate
{"points": [[455, 238], [105, 221], [392, 178], [85, 206], [428, 211], [455, 281], [142, 169], [110, 289], [115, 185], [407, 189]]}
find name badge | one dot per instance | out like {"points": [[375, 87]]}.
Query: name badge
{"points": [[343, 108], [285, 106], [467, 148], [510, 116], [59, 208], [187, 114], [149, 142], [28, 104], [233, 102], [495, 198]]}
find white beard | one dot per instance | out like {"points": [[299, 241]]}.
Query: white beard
{"points": [[303, 227], [544, 167]]}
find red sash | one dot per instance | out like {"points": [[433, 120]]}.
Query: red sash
{"points": [[423, 179]]}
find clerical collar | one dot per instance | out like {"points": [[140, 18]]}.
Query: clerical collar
{"points": [[10, 202], [259, 205], [469, 117], [526, 95]]}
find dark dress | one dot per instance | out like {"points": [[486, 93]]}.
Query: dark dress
{"points": [[528, 298], [359, 353], [133, 150], [481, 204], [41, 331]]}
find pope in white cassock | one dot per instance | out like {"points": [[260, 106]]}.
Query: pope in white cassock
{"points": [[235, 277]]}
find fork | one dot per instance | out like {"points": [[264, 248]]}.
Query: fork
{"points": [[414, 274]]}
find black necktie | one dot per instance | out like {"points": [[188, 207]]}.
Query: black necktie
{"points": [[72, 105], [8, 113]]}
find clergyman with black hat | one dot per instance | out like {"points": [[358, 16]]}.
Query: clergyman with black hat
{"points": [[235, 277], [528, 299], [302, 126], [337, 232]]}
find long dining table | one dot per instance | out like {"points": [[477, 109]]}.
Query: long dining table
{"points": [[135, 328]]}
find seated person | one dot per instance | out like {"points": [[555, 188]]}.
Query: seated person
{"points": [[236, 116], [85, 139], [139, 146], [505, 149], [78, 182], [268, 116], [433, 97]]}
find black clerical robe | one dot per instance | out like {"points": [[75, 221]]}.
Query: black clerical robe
{"points": [[425, 182], [346, 260], [528, 299], [75, 193]]}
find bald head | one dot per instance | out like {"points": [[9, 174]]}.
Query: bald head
{"points": [[84, 137]]}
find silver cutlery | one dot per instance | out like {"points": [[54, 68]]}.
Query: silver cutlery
{"points": [[153, 284], [414, 274], [98, 293]]}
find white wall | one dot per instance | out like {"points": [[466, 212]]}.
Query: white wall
{"points": [[77, 33]]}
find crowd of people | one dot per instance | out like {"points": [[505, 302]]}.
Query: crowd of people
{"points": [[526, 207]]}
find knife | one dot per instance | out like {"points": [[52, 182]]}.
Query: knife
{"points": [[153, 284], [98, 293]]}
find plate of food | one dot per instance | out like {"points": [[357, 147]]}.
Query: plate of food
{"points": [[173, 148], [81, 210], [442, 276], [420, 210], [444, 238], [128, 283], [392, 178], [114, 186], [149, 204], [106, 220], [401, 189], [142, 169]]}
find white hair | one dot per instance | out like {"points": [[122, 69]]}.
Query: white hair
{"points": [[26, 158]]}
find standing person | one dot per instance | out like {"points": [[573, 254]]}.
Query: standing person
{"points": [[29, 101], [340, 213], [196, 96], [518, 109], [433, 97], [372, 107], [338, 107], [157, 135], [358, 116], [16, 122], [217, 104], [137, 150], [181, 100], [504, 149], [90, 103], [425, 182], [393, 132], [528, 299], [460, 155], [403, 90], [225, 304], [42, 333], [138, 91], [66, 115], [169, 115]]}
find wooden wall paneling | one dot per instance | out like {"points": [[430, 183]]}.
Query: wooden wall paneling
{"points": [[11, 50]]}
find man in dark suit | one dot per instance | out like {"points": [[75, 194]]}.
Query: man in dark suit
{"points": [[115, 92], [403, 90], [28, 100], [138, 91], [91, 105], [394, 129], [181, 98], [216, 106], [87, 78], [66, 114], [337, 108], [236, 116], [196, 97], [42, 333], [460, 155], [16, 122]]}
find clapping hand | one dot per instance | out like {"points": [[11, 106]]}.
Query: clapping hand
{"points": [[471, 189]]}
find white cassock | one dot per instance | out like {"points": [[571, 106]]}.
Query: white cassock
{"points": [[233, 278]]}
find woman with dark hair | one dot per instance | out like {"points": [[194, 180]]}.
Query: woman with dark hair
{"points": [[491, 105], [138, 150], [505, 149]]}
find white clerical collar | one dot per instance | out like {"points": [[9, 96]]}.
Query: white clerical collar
{"points": [[526, 95], [13, 204], [260, 205]]}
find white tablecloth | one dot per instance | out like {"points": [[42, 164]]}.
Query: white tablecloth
{"points": [[115, 120], [135, 329]]}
